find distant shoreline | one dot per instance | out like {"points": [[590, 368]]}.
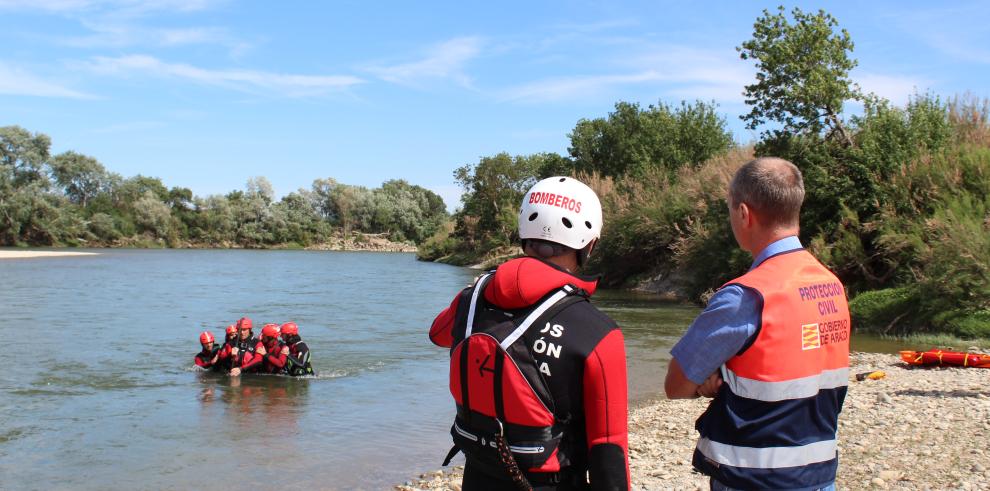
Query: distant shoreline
{"points": [[37, 254]]}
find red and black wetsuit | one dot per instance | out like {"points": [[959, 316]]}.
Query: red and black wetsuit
{"points": [[298, 360], [586, 374], [249, 360], [204, 359], [225, 360], [274, 359]]}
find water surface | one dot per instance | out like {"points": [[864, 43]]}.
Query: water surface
{"points": [[99, 392]]}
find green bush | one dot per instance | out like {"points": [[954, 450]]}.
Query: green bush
{"points": [[882, 310], [966, 325]]}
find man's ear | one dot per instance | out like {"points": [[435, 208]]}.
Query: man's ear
{"points": [[745, 215]]}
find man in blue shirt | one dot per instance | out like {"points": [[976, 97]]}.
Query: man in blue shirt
{"points": [[764, 200]]}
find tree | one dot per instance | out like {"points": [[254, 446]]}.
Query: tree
{"points": [[408, 212], [803, 68], [153, 216], [22, 157], [80, 176], [494, 187], [633, 140]]}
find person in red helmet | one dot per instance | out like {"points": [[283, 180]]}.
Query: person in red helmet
{"points": [[224, 358], [537, 373], [207, 358], [247, 355], [274, 361], [297, 361]]}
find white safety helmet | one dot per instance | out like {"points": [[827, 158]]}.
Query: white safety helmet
{"points": [[561, 210]]}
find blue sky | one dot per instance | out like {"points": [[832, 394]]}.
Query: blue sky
{"points": [[208, 93]]}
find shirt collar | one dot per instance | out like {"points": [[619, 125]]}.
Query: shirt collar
{"points": [[786, 244]]}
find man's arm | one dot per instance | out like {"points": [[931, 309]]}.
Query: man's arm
{"points": [[302, 358], [441, 331], [255, 359], [278, 359], [200, 362], [716, 335], [606, 414]]}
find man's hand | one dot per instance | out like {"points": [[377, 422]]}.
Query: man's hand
{"points": [[234, 372], [234, 351], [215, 358], [709, 388], [285, 350], [261, 351]]}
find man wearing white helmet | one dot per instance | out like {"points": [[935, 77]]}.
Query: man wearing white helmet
{"points": [[556, 418]]}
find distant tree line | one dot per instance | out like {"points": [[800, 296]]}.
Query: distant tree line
{"points": [[897, 198], [71, 199]]}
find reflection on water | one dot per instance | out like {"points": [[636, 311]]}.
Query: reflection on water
{"points": [[254, 401]]}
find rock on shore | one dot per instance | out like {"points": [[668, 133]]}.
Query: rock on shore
{"points": [[917, 428]]}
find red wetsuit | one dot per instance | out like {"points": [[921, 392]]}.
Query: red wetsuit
{"points": [[274, 360], [204, 358], [587, 377], [251, 361]]}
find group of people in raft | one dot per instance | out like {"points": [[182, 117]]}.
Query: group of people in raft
{"points": [[280, 350]]}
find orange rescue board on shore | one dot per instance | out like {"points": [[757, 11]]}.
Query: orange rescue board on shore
{"points": [[946, 358]]}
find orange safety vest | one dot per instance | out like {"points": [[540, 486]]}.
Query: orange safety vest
{"points": [[773, 423]]}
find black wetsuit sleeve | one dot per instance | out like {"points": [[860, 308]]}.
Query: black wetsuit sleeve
{"points": [[302, 355]]}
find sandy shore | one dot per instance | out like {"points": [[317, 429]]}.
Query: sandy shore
{"points": [[34, 254], [915, 429]]}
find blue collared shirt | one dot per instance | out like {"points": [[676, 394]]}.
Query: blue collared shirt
{"points": [[726, 324]]}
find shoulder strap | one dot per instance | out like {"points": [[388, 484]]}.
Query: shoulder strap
{"points": [[478, 287], [531, 319]]}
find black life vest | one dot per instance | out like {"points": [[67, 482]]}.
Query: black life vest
{"points": [[298, 362], [498, 388], [207, 357]]}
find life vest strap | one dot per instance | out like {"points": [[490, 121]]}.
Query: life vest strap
{"points": [[478, 287]]}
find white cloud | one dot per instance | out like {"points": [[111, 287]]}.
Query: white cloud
{"points": [[959, 30], [115, 7], [119, 35], [568, 88], [118, 23], [897, 89], [17, 81], [444, 61], [681, 71], [244, 80], [128, 127]]}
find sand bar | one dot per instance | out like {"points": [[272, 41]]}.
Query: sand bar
{"points": [[35, 254]]}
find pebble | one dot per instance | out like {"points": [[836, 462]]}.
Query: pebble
{"points": [[894, 433]]}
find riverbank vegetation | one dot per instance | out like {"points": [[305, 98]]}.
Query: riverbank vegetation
{"points": [[71, 199], [897, 198]]}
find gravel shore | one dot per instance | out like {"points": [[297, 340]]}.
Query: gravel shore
{"points": [[917, 428]]}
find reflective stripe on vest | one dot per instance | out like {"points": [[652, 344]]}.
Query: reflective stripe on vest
{"points": [[799, 388], [773, 423], [769, 457]]}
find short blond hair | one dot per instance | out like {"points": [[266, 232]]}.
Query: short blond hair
{"points": [[772, 187]]}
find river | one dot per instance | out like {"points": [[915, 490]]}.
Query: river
{"points": [[99, 391]]}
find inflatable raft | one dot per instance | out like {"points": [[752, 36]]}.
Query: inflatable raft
{"points": [[946, 358]]}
